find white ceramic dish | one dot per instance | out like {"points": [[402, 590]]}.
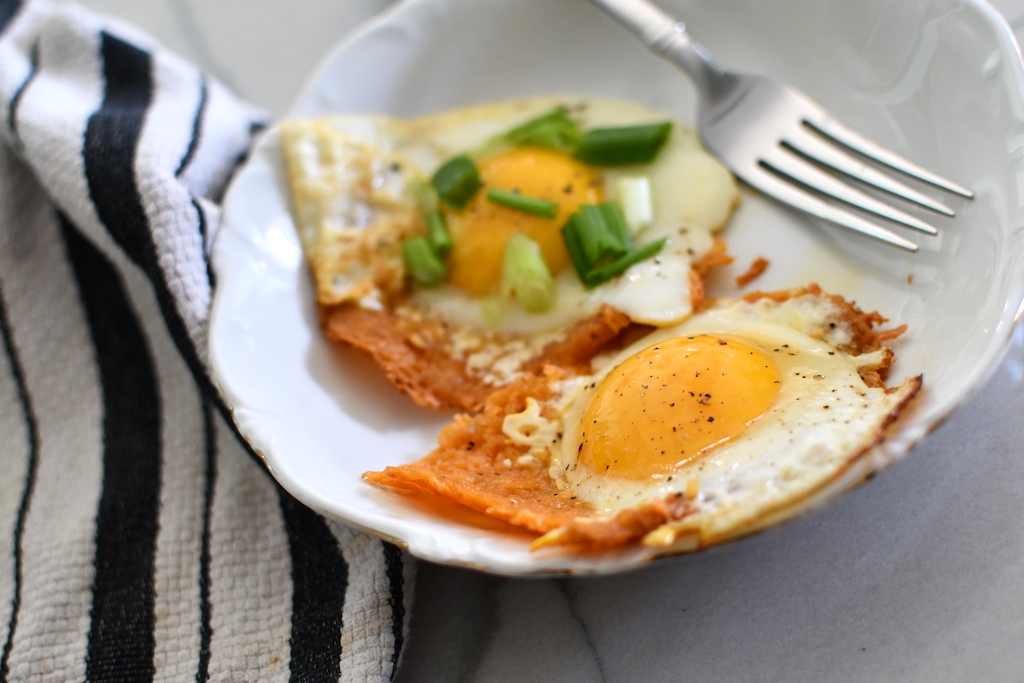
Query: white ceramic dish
{"points": [[937, 80]]}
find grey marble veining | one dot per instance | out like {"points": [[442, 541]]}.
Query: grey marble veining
{"points": [[916, 576]]}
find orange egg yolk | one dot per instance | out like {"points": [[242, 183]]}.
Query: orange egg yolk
{"points": [[481, 230], [671, 403]]}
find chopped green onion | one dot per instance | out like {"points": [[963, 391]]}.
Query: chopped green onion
{"points": [[525, 275], [422, 263], [623, 145], [570, 235], [599, 245], [423, 194], [554, 130], [456, 181], [634, 195], [600, 240], [605, 273], [616, 223], [437, 234], [520, 202]]}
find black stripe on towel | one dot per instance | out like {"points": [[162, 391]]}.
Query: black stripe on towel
{"points": [[111, 142], [12, 107], [396, 598], [205, 611], [203, 232], [121, 639], [319, 581], [197, 130], [8, 8], [28, 485]]}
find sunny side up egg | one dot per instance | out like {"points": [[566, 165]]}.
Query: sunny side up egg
{"points": [[354, 184], [751, 409]]}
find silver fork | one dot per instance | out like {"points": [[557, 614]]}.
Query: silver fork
{"points": [[777, 140]]}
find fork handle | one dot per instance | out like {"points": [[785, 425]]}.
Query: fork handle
{"points": [[666, 37]]}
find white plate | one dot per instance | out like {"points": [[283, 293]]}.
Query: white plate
{"points": [[938, 80]]}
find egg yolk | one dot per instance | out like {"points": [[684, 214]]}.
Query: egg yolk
{"points": [[481, 230], [671, 403]]}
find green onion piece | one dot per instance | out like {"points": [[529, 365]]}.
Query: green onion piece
{"points": [[605, 273], [456, 181], [570, 235], [600, 241], [634, 195], [623, 145], [423, 194], [525, 275], [425, 267], [437, 234], [554, 130], [616, 223], [520, 202]]}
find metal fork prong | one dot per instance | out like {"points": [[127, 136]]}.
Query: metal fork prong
{"points": [[829, 127], [787, 193], [813, 177], [819, 149]]}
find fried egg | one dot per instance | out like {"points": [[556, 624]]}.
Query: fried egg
{"points": [[751, 409], [355, 182]]}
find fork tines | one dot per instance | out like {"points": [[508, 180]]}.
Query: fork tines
{"points": [[827, 143]]}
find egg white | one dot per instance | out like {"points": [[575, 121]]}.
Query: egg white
{"points": [[351, 178], [823, 419]]}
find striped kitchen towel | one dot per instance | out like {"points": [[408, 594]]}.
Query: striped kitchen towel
{"points": [[139, 538]]}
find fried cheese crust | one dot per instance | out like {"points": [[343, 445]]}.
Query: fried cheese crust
{"points": [[416, 357], [478, 466]]}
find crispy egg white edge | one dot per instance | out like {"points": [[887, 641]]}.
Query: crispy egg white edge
{"points": [[730, 505]]}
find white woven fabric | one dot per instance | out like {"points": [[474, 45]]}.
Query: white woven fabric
{"points": [[139, 538]]}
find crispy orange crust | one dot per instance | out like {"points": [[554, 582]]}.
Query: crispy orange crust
{"points": [[757, 267], [477, 466], [717, 257], [414, 352], [698, 295], [609, 328], [624, 527], [412, 356], [469, 466], [862, 325]]}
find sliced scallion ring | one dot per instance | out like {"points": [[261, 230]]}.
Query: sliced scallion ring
{"points": [[456, 181], [525, 275]]}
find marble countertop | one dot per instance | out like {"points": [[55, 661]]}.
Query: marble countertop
{"points": [[916, 576]]}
